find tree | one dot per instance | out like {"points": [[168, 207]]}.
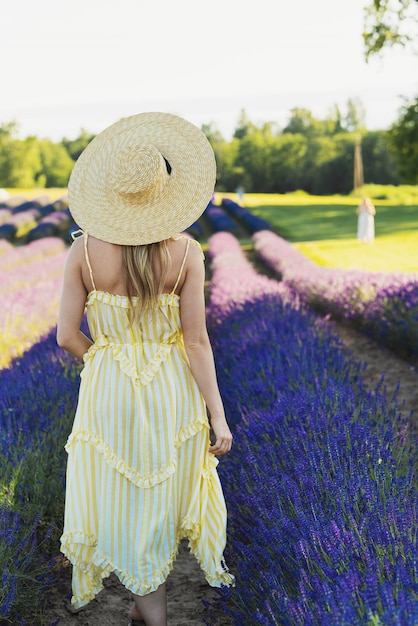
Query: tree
{"points": [[244, 126], [76, 146], [379, 163], [335, 175], [7, 139], [333, 123], [355, 118], [287, 163], [320, 150], [388, 23], [302, 122], [20, 159], [56, 164], [254, 158], [403, 140]]}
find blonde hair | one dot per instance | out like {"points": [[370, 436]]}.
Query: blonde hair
{"points": [[146, 268]]}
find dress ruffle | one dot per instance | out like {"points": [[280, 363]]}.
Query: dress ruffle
{"points": [[143, 377], [112, 299], [144, 481], [146, 375], [113, 460]]}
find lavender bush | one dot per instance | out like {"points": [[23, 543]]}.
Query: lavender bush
{"points": [[319, 485], [383, 305], [53, 224], [234, 280], [244, 215], [30, 296], [219, 219], [5, 246], [37, 403], [12, 257]]}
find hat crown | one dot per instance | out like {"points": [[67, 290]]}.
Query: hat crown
{"points": [[139, 170]]}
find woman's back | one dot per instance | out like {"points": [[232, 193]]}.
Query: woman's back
{"points": [[108, 271], [109, 309]]}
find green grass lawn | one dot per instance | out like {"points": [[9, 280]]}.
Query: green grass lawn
{"points": [[324, 229], [333, 217], [53, 193], [389, 253]]}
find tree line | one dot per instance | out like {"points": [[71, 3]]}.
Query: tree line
{"points": [[310, 154], [314, 155]]}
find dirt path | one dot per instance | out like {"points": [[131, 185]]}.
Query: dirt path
{"points": [[186, 590], [383, 361]]}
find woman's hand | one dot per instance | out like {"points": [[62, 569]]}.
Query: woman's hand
{"points": [[223, 437]]}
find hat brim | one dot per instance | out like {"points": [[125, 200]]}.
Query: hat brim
{"points": [[101, 211]]}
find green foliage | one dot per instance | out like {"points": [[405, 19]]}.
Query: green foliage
{"points": [[26, 163], [310, 154], [20, 160], [287, 154], [31, 162], [302, 122], [403, 139], [394, 194], [244, 126], [76, 146], [56, 164], [316, 155], [388, 23], [382, 166]]}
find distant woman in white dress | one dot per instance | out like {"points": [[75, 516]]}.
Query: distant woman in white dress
{"points": [[365, 225]]}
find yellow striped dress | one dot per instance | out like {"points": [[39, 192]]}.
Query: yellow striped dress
{"points": [[139, 474]]}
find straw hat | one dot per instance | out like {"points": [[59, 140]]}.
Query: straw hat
{"points": [[143, 179]]}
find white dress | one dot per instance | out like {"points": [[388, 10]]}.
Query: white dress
{"points": [[365, 226]]}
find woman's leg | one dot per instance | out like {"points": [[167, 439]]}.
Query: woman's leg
{"points": [[153, 607], [134, 614]]}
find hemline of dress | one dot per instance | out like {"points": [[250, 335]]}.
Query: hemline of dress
{"points": [[189, 530]]}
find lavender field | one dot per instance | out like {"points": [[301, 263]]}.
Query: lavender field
{"points": [[320, 485]]}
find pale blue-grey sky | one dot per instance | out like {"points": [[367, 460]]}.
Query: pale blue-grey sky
{"points": [[86, 63]]}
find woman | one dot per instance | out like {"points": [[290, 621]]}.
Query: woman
{"points": [[365, 223], [141, 471]]}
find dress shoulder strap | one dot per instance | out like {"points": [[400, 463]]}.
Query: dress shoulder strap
{"points": [[86, 253], [182, 264]]}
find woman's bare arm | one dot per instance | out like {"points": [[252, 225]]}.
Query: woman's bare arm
{"points": [[72, 304], [199, 350]]}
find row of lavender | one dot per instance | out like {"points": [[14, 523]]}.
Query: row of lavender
{"points": [[36, 400], [383, 305], [319, 485], [23, 221], [230, 217], [30, 285], [37, 403]]}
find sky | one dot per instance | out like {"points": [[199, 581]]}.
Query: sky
{"points": [[67, 65]]}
